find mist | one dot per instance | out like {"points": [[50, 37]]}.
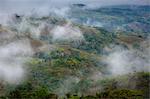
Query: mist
{"points": [[13, 56], [66, 33], [14, 53], [27, 7], [16, 48], [123, 61]]}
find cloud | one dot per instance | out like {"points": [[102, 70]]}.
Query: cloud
{"points": [[25, 26], [13, 56], [11, 74], [66, 32], [122, 61], [67, 85], [61, 12]]}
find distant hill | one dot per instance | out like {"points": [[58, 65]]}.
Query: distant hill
{"points": [[79, 5], [115, 18]]}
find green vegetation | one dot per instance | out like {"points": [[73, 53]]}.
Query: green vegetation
{"points": [[96, 39], [75, 69], [112, 89]]}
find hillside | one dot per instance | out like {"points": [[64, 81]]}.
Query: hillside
{"points": [[63, 58]]}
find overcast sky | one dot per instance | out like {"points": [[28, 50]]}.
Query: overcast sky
{"points": [[12, 6]]}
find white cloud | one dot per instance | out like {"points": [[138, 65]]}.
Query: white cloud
{"points": [[66, 32], [12, 60], [122, 61]]}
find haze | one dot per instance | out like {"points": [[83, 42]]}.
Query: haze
{"points": [[20, 6]]}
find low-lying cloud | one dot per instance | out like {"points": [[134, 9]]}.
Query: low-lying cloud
{"points": [[66, 32], [12, 59], [122, 61]]}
